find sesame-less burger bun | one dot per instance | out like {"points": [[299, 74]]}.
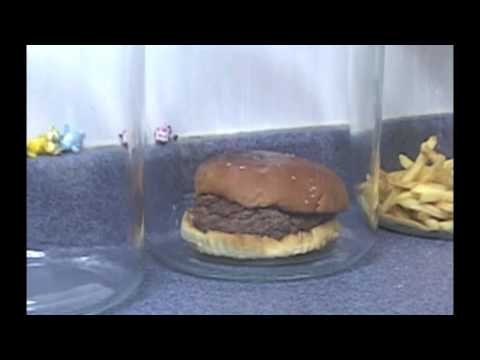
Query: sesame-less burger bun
{"points": [[247, 246], [263, 178]]}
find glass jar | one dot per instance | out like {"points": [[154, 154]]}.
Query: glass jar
{"points": [[319, 103], [416, 185], [84, 190]]}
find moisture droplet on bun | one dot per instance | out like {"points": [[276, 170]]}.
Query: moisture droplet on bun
{"points": [[306, 202], [294, 178], [229, 164], [242, 167]]}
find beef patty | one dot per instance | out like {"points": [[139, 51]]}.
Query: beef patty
{"points": [[212, 212]]}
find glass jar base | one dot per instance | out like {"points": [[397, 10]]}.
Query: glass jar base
{"points": [[355, 240], [80, 280]]}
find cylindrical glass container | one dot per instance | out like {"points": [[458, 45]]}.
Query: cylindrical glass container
{"points": [[84, 190], [416, 181], [316, 103]]}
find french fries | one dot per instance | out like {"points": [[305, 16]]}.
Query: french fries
{"points": [[432, 192], [432, 224], [420, 195], [390, 200], [405, 161], [445, 206], [446, 226], [414, 170], [448, 164]]}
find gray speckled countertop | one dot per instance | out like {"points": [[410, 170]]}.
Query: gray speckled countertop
{"points": [[86, 195], [401, 275]]}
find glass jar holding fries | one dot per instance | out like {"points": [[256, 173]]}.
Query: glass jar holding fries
{"points": [[419, 198], [415, 180]]}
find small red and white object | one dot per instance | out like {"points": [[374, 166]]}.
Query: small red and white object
{"points": [[163, 134]]}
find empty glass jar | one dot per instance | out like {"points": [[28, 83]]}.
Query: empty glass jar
{"points": [[84, 191]]}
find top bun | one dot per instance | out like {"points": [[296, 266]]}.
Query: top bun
{"points": [[263, 178]]}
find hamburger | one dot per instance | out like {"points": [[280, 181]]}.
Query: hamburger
{"points": [[262, 204]]}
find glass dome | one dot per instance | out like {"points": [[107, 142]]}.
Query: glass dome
{"points": [[416, 177], [84, 194], [315, 107]]}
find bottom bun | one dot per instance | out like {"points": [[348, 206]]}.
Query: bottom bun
{"points": [[247, 246]]}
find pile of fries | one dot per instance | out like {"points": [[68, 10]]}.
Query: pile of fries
{"points": [[420, 195]]}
